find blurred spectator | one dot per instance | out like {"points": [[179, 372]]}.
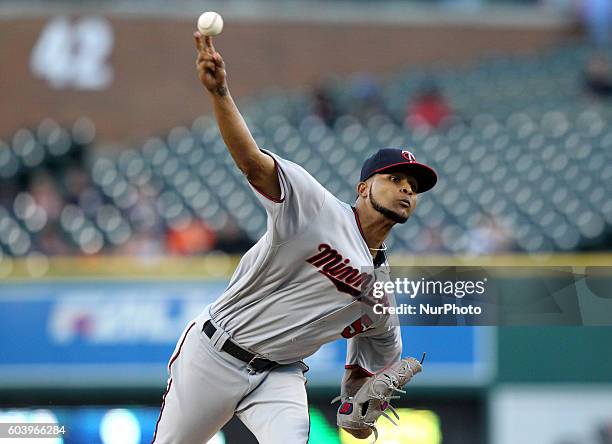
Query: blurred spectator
{"points": [[190, 237], [90, 200], [143, 245], [366, 98], [45, 193], [75, 181], [596, 15], [489, 236], [52, 243], [142, 214], [429, 109], [597, 18], [231, 239], [8, 191], [324, 105], [429, 241], [605, 433], [597, 78]]}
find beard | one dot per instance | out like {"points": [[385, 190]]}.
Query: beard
{"points": [[388, 213]]}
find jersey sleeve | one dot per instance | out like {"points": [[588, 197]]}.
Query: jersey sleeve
{"points": [[375, 352], [301, 200]]}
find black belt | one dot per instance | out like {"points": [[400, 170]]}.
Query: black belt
{"points": [[255, 364]]}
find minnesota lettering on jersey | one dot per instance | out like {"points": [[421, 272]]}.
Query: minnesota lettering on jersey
{"points": [[333, 266], [346, 279]]}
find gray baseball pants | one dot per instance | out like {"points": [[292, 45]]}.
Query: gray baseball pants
{"points": [[207, 386]]}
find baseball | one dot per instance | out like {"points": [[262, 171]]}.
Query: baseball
{"points": [[210, 23]]}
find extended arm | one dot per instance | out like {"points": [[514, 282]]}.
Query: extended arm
{"points": [[257, 166]]}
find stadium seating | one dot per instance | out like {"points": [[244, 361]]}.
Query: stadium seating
{"points": [[526, 157]]}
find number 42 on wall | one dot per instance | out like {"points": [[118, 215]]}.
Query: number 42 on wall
{"points": [[74, 54]]}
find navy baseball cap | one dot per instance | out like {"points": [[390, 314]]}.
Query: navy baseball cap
{"points": [[396, 159]]}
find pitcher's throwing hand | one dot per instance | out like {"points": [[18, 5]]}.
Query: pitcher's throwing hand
{"points": [[210, 65]]}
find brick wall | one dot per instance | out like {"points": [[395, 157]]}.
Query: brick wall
{"points": [[155, 86]]}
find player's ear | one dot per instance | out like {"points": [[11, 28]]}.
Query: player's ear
{"points": [[362, 189]]}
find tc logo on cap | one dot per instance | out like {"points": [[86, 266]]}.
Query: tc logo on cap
{"points": [[408, 156]]}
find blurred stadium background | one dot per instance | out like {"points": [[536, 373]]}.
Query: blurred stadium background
{"points": [[122, 215]]}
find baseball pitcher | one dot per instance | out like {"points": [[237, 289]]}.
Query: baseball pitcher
{"points": [[300, 286]]}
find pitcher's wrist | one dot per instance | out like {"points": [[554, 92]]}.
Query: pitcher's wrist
{"points": [[219, 91]]}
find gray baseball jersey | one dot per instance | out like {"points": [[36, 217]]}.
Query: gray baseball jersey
{"points": [[297, 287], [295, 290]]}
